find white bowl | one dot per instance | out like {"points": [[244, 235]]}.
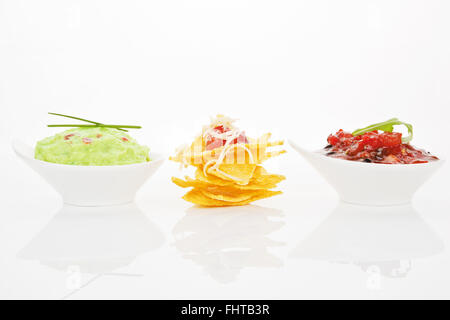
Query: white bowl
{"points": [[371, 183], [92, 185]]}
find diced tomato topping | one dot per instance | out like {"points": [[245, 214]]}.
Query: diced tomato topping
{"points": [[390, 139], [221, 129], [87, 140], [384, 147], [340, 137], [241, 139], [125, 139], [67, 137], [213, 142], [333, 140]]}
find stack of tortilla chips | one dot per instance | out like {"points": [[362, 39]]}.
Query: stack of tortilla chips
{"points": [[236, 180]]}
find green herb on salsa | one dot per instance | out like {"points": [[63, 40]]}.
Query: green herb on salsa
{"points": [[387, 126]]}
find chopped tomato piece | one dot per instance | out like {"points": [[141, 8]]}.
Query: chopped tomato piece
{"points": [[67, 137], [213, 142]]}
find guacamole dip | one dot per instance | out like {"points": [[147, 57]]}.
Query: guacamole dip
{"points": [[91, 147]]}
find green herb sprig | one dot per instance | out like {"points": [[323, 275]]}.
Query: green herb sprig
{"points": [[387, 126], [93, 124]]}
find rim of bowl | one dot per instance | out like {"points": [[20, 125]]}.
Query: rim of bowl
{"points": [[401, 166], [382, 165], [157, 157]]}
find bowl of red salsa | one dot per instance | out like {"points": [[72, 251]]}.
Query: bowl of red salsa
{"points": [[374, 165], [375, 147]]}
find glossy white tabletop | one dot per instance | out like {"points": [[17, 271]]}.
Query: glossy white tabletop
{"points": [[298, 69], [302, 244]]}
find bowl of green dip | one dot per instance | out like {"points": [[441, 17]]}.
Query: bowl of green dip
{"points": [[94, 166], [96, 146]]}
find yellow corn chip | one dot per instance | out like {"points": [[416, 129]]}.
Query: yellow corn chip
{"points": [[196, 154], [197, 197], [200, 176], [261, 177], [189, 183], [239, 173], [227, 195], [269, 182], [231, 193]]}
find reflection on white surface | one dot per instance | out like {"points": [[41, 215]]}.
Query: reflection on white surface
{"points": [[225, 240], [93, 240], [380, 240]]}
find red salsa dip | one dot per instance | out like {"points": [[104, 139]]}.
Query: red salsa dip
{"points": [[375, 147]]}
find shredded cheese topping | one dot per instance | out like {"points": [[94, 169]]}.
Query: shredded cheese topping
{"points": [[217, 162], [228, 136]]}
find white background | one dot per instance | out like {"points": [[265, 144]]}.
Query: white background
{"points": [[300, 69]]}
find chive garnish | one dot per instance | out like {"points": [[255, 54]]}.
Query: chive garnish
{"points": [[72, 117], [116, 126], [93, 124], [387, 126]]}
